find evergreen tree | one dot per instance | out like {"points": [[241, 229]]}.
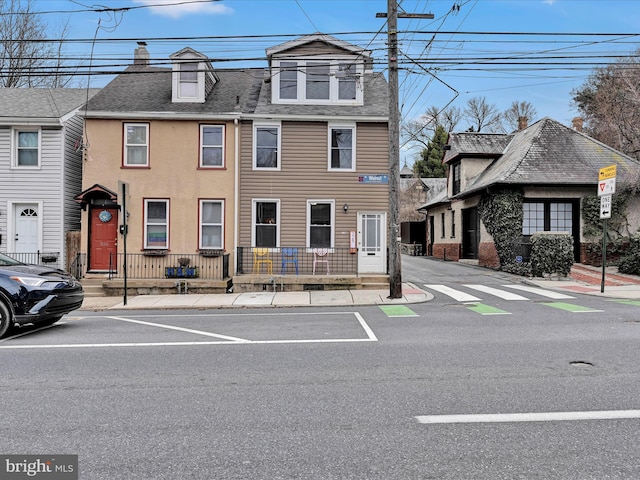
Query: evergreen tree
{"points": [[430, 162]]}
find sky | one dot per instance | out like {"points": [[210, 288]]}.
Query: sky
{"points": [[471, 48]]}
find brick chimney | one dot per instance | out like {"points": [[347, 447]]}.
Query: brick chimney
{"points": [[141, 55], [577, 123], [522, 123]]}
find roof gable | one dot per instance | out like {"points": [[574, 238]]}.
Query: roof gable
{"points": [[318, 40]]}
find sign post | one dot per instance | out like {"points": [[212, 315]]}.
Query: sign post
{"points": [[606, 189], [123, 190]]}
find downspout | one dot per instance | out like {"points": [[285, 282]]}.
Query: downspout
{"points": [[236, 207]]}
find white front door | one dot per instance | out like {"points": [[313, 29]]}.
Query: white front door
{"points": [[27, 228], [372, 242]]}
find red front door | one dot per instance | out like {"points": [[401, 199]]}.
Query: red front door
{"points": [[103, 239]]}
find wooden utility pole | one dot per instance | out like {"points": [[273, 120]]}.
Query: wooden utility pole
{"points": [[395, 264]]}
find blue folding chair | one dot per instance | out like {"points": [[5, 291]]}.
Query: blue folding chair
{"points": [[289, 255]]}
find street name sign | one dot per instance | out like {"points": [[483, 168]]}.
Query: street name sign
{"points": [[607, 172]]}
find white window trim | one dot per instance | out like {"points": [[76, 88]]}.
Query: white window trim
{"points": [[352, 127], [256, 126], [175, 87], [308, 223], [124, 139], [255, 201], [15, 131], [201, 164], [222, 224], [146, 224], [335, 63]]}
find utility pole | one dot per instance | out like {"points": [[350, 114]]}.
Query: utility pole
{"points": [[395, 264]]}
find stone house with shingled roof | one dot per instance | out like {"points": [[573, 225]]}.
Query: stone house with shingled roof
{"points": [[553, 165]]}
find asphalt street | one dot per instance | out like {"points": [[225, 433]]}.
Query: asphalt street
{"points": [[346, 392]]}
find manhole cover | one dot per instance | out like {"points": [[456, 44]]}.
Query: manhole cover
{"points": [[580, 363]]}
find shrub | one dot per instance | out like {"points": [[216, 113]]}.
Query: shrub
{"points": [[551, 253], [630, 262]]}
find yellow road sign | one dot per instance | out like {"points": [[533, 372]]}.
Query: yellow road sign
{"points": [[607, 172]]}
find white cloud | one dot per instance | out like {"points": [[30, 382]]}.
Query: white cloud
{"points": [[549, 2], [181, 8]]}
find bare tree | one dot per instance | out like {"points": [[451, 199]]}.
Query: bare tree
{"points": [[517, 111], [423, 129], [609, 101], [482, 115], [27, 57]]}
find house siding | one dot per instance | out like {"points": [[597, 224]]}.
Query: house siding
{"points": [[72, 173], [304, 176]]}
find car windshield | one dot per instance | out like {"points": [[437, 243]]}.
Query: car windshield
{"points": [[4, 261]]}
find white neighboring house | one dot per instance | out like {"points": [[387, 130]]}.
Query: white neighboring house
{"points": [[40, 171]]}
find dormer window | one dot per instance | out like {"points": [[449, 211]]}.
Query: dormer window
{"points": [[192, 78], [317, 81], [188, 81]]}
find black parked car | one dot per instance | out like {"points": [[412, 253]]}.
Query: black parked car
{"points": [[35, 294]]}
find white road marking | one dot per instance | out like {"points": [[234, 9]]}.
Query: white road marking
{"points": [[530, 417], [540, 291], [496, 292], [455, 294], [180, 329], [226, 340]]}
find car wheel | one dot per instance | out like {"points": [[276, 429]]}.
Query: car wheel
{"points": [[6, 320]]}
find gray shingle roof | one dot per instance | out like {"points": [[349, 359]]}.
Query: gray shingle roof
{"points": [[549, 153], [148, 89], [476, 145], [44, 103]]}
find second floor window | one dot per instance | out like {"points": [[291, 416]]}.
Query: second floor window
{"points": [[211, 146], [136, 149], [156, 224], [455, 168], [341, 148], [267, 147], [27, 151]]}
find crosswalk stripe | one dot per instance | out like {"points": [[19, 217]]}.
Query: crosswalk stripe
{"points": [[455, 294], [540, 291], [498, 293]]}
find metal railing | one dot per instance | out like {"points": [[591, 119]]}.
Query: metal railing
{"points": [[51, 259], [171, 265], [284, 260]]}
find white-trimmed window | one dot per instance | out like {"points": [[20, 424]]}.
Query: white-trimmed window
{"points": [[211, 224], [26, 152], [266, 223], [342, 147], [266, 146], [156, 224], [188, 80], [318, 81], [211, 146], [320, 223], [136, 144]]}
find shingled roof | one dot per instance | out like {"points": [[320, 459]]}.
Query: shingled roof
{"points": [[41, 103], [547, 153], [142, 89]]}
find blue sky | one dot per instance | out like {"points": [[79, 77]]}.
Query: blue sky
{"points": [[456, 61]]}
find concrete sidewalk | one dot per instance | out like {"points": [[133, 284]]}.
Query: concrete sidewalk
{"points": [[410, 294], [587, 279]]}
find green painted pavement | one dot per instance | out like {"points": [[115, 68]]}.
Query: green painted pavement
{"points": [[483, 309], [635, 303], [570, 307], [398, 311]]}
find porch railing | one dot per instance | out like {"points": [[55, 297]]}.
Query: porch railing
{"points": [[284, 260], [171, 265], [51, 259]]}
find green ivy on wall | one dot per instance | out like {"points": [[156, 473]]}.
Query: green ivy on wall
{"points": [[501, 214]]}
